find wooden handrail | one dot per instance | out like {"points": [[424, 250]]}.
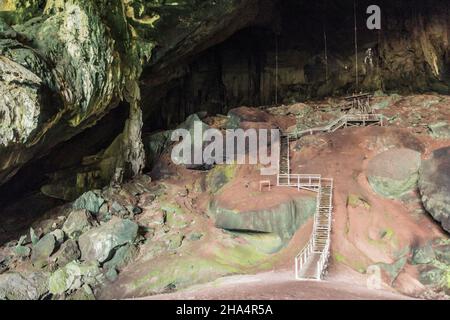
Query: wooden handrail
{"points": [[324, 204]]}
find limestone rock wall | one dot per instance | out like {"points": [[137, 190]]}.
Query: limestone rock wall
{"points": [[77, 60]]}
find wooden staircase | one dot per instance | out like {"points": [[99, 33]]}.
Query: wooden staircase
{"points": [[348, 120], [311, 263], [284, 155]]}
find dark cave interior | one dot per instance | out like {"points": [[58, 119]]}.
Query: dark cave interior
{"points": [[301, 50], [278, 58]]}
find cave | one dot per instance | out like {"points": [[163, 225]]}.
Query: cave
{"points": [[134, 70], [296, 50], [279, 52], [273, 53]]}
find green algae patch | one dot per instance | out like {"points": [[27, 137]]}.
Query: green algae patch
{"points": [[387, 234], [283, 220], [220, 176], [394, 173], [393, 189], [355, 201], [359, 266], [171, 208], [264, 242], [174, 215], [181, 272], [240, 257], [339, 258]]}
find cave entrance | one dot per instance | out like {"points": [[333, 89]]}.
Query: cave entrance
{"points": [[22, 201], [303, 50]]}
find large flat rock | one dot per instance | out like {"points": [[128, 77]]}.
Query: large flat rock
{"points": [[283, 219], [394, 173], [434, 186]]}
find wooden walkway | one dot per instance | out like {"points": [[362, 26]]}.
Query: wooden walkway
{"points": [[311, 263], [348, 120]]}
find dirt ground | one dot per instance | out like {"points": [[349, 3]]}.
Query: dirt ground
{"points": [[279, 285], [373, 232], [378, 232]]}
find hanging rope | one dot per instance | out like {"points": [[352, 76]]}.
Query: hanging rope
{"points": [[356, 45], [378, 58], [276, 69], [325, 40]]}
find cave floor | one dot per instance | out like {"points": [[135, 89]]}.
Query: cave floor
{"points": [[357, 237], [189, 253], [280, 285]]}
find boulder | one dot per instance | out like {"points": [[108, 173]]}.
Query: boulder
{"points": [[121, 258], [22, 251], [17, 286], [283, 220], [195, 236], [440, 130], [433, 276], [175, 219], [189, 124], [99, 243], [218, 177], [355, 201], [175, 241], [423, 255], [78, 222], [394, 173], [111, 274], [59, 236], [443, 254], [89, 201], [73, 276], [33, 236], [43, 250], [298, 109], [85, 293], [242, 115], [155, 144], [68, 252], [434, 186]]}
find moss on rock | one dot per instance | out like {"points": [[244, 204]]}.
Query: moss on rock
{"points": [[218, 177], [394, 173], [434, 186], [283, 220], [180, 273]]}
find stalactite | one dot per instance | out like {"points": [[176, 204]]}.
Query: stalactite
{"points": [[135, 155], [132, 159]]}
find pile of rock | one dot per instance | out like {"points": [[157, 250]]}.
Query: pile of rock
{"points": [[433, 261], [75, 255]]}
